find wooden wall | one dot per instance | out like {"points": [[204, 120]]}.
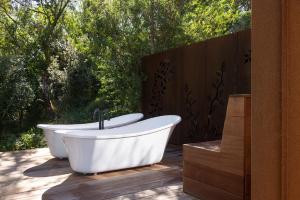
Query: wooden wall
{"points": [[275, 100], [195, 81]]}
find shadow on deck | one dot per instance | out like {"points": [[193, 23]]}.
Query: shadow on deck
{"points": [[35, 174]]}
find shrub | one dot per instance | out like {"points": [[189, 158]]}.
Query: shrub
{"points": [[33, 138], [7, 142]]}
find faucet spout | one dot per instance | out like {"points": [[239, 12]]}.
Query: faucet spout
{"points": [[101, 117], [96, 111]]}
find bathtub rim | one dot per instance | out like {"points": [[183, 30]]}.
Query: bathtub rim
{"points": [[84, 134], [55, 127]]}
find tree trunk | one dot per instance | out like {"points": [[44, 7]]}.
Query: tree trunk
{"points": [[152, 26]]}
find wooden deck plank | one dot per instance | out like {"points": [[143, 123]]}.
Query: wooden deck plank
{"points": [[42, 180], [108, 189], [175, 188], [35, 174]]}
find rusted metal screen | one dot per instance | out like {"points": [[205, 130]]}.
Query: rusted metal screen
{"points": [[195, 81]]}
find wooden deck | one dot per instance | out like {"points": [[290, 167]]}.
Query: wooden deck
{"points": [[35, 174]]}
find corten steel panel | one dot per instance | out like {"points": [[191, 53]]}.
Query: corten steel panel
{"points": [[244, 62], [193, 91], [221, 51], [172, 98], [161, 93], [188, 90]]}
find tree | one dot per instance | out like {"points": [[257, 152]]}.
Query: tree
{"points": [[119, 34], [206, 19]]}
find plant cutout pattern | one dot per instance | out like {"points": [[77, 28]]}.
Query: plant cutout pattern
{"points": [[190, 114], [217, 100], [211, 129], [247, 57], [162, 76]]}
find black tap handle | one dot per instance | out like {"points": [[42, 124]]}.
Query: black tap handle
{"points": [[101, 116], [100, 120]]}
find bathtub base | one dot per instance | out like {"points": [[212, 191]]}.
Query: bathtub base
{"points": [[98, 173]]}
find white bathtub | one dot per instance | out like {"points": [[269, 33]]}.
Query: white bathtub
{"points": [[55, 143], [138, 144]]}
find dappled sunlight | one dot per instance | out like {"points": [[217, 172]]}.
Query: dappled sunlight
{"points": [[172, 190], [29, 186], [115, 184], [45, 177], [17, 168], [111, 185], [14, 163]]}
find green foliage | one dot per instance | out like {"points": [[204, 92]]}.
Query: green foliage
{"points": [[61, 59], [206, 19], [30, 139], [33, 138], [7, 142], [72, 81], [16, 90], [120, 33]]}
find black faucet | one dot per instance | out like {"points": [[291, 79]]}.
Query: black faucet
{"points": [[101, 117]]}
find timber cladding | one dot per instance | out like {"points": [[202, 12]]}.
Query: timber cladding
{"points": [[195, 81]]}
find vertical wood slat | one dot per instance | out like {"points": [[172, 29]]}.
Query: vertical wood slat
{"points": [[276, 94], [266, 100]]}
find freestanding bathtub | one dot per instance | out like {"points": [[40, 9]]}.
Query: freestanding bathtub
{"points": [[55, 143], [138, 144]]}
